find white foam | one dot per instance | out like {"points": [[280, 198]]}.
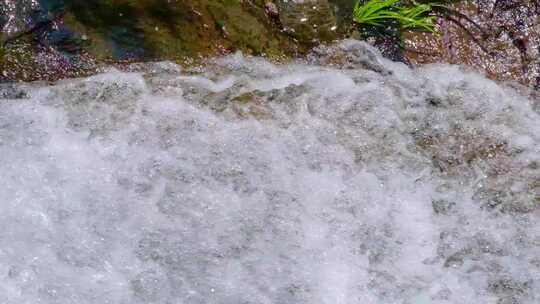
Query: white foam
{"points": [[316, 190]]}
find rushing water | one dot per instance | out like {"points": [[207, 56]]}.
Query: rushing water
{"points": [[343, 179]]}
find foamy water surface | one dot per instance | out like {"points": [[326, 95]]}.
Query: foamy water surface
{"points": [[249, 182]]}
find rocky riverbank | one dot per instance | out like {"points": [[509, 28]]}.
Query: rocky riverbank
{"points": [[54, 39], [499, 37]]}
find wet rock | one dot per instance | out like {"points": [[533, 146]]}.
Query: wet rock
{"points": [[443, 207], [509, 300], [349, 54], [500, 198], [485, 244], [457, 259], [308, 20], [251, 105], [22, 60], [159, 69], [18, 17], [343, 9], [509, 286], [66, 31], [500, 38], [10, 91]]}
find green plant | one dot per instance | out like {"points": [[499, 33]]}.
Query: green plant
{"points": [[381, 12]]}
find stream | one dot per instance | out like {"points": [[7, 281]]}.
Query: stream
{"points": [[341, 178]]}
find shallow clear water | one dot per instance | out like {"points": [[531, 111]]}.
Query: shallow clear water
{"points": [[247, 182]]}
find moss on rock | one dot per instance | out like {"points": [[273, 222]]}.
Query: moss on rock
{"points": [[135, 30]]}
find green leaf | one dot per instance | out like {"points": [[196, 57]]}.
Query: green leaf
{"points": [[379, 12]]}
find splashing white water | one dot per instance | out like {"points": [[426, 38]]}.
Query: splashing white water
{"points": [[256, 183]]}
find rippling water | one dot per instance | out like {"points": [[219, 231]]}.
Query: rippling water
{"points": [[343, 179]]}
